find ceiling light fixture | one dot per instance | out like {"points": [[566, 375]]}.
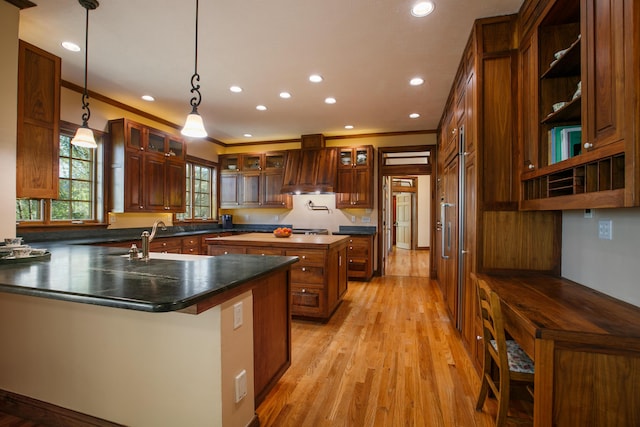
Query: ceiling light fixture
{"points": [[71, 46], [193, 126], [422, 8], [414, 115], [148, 98], [315, 78], [261, 107], [248, 135], [84, 135], [330, 100], [416, 81], [348, 127], [285, 95], [235, 89]]}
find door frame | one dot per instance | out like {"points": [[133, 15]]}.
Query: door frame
{"points": [[385, 170]]}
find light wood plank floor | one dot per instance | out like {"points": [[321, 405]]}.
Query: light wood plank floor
{"points": [[388, 357]]}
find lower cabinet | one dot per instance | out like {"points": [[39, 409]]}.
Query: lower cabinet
{"points": [[360, 255], [318, 280]]}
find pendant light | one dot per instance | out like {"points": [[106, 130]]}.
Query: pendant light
{"points": [[84, 134], [193, 126]]}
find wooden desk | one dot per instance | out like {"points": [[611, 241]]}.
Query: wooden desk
{"points": [[586, 348]]}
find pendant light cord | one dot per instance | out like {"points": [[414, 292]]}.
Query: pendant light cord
{"points": [[85, 94], [195, 79]]}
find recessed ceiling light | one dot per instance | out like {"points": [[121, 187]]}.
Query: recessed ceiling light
{"points": [[315, 78], [416, 81], [285, 95], [71, 46], [148, 98], [348, 127], [422, 8], [330, 100], [235, 89], [247, 135], [414, 115], [261, 107]]}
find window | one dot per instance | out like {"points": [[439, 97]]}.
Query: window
{"points": [[78, 192], [201, 192]]}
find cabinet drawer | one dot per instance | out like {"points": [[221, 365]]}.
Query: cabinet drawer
{"points": [[357, 265], [223, 250], [307, 301], [308, 257], [307, 274], [358, 250], [264, 251], [191, 245], [166, 245]]}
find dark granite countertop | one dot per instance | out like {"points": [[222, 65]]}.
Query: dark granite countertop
{"points": [[102, 276], [355, 230]]}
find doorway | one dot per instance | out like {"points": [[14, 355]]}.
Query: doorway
{"points": [[405, 209]]}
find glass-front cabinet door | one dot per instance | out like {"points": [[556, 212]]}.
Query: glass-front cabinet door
{"points": [[361, 157], [273, 161], [229, 163], [346, 157], [251, 162]]}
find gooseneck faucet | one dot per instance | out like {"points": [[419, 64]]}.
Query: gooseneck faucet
{"points": [[147, 238]]}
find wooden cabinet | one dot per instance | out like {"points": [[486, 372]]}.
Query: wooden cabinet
{"points": [[359, 257], [355, 175], [479, 225], [318, 281], [253, 180], [38, 130], [579, 53], [148, 172]]}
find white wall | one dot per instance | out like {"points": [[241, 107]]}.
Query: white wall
{"points": [[424, 211], [610, 266], [9, 18]]}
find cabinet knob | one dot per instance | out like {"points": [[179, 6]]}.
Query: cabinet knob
{"points": [[225, 252], [478, 337], [304, 291], [588, 145], [350, 261], [262, 254], [304, 257], [351, 247], [303, 269], [531, 166], [140, 207]]}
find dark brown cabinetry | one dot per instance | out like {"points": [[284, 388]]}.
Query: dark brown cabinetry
{"points": [[38, 123], [318, 280], [359, 257], [148, 169], [579, 53], [355, 174], [311, 170], [479, 227], [253, 180]]}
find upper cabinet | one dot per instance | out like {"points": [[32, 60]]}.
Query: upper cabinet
{"points": [[578, 85], [148, 171], [38, 123], [250, 180], [355, 174]]}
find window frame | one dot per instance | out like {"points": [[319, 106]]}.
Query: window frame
{"points": [[98, 183], [215, 190]]}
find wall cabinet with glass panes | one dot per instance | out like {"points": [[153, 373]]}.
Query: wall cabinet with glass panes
{"points": [[355, 175], [253, 180], [148, 169]]}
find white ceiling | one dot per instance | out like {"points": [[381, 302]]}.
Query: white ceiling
{"points": [[366, 50]]}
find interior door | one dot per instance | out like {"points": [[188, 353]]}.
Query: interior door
{"points": [[449, 218], [403, 220]]}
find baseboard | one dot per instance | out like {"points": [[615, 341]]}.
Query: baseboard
{"points": [[423, 248], [47, 413]]}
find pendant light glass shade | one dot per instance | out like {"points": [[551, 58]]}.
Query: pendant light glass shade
{"points": [[84, 138], [84, 135], [194, 126]]}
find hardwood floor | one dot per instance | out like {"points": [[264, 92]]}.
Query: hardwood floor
{"points": [[388, 357]]}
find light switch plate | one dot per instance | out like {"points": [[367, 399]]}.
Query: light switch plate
{"points": [[241, 385], [237, 315]]}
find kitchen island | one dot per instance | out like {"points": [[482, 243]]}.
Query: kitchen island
{"points": [[143, 343], [318, 281]]}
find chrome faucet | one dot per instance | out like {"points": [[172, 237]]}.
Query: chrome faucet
{"points": [[147, 238]]}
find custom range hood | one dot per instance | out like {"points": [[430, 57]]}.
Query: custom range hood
{"points": [[312, 169]]}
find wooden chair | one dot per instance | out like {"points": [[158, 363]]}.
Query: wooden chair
{"points": [[511, 362]]}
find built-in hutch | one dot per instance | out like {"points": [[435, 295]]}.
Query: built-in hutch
{"points": [[578, 89]]}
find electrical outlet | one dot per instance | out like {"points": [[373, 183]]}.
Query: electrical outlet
{"points": [[366, 219], [605, 229], [353, 218], [241, 385], [588, 213], [237, 315]]}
